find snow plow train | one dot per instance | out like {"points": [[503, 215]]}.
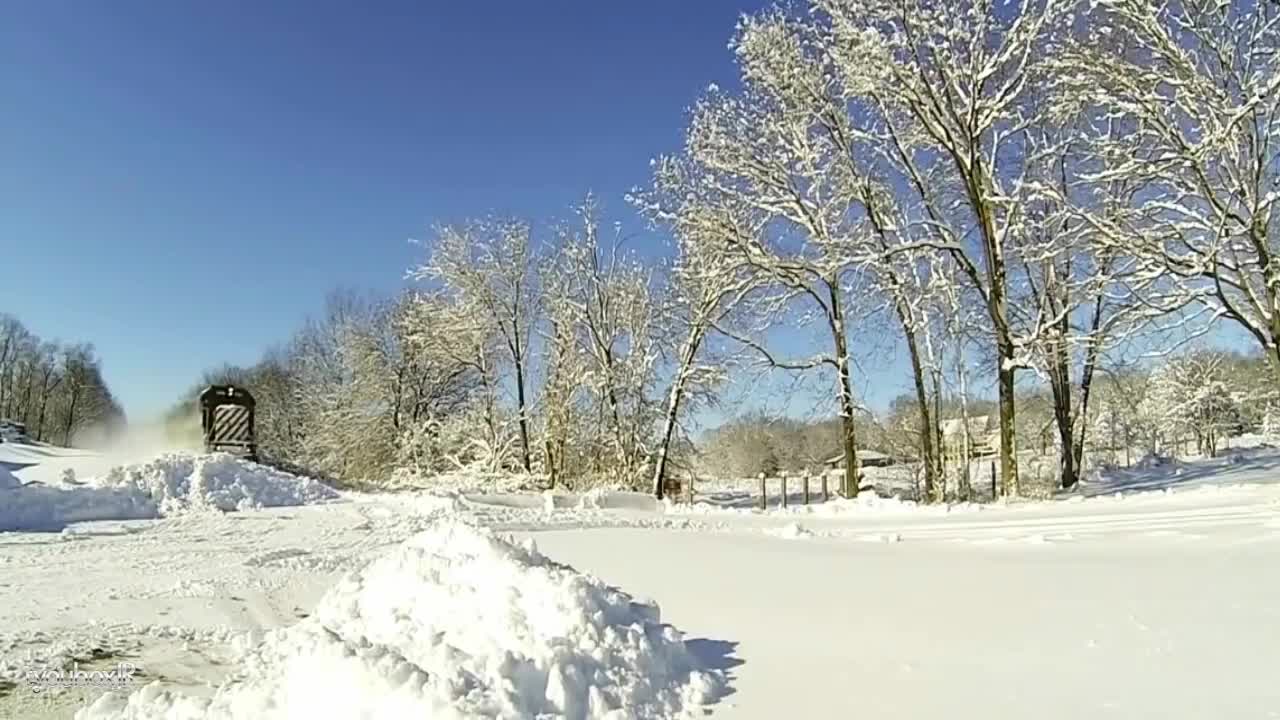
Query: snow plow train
{"points": [[226, 417]]}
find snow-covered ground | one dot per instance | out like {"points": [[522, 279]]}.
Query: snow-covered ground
{"points": [[1150, 593]]}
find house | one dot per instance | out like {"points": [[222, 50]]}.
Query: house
{"points": [[984, 436]]}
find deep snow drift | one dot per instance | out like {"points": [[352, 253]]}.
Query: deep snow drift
{"points": [[170, 484], [455, 623]]}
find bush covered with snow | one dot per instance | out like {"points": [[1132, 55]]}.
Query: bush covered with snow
{"points": [[455, 623]]}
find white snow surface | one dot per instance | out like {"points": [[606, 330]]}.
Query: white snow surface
{"points": [[168, 485], [455, 623]]}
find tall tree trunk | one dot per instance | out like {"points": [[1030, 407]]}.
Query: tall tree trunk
{"points": [[849, 438], [71, 417], [978, 186], [927, 429], [966, 447], [490, 406], [687, 355], [521, 405], [6, 386], [932, 471], [619, 433], [939, 442], [1008, 435], [4, 364], [1086, 389], [1068, 469], [25, 405], [45, 391], [548, 450], [1274, 355], [1060, 386]]}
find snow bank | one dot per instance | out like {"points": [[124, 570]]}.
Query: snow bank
{"points": [[168, 485], [182, 482], [455, 623], [41, 507]]}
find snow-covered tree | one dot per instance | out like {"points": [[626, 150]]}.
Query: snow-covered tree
{"points": [[1194, 88], [454, 349], [1078, 296], [709, 281], [1192, 394], [771, 156], [1122, 419], [943, 89], [871, 129], [561, 388], [488, 267], [57, 391], [609, 304]]}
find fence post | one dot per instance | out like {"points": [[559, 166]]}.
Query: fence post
{"points": [[825, 495], [994, 496], [784, 488], [763, 498], [690, 493], [805, 479]]}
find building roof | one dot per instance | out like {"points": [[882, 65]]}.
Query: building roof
{"points": [[862, 455]]}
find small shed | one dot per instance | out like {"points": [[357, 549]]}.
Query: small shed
{"points": [[866, 458]]}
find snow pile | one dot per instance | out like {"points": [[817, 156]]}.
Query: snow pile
{"points": [[170, 484], [182, 482], [41, 507], [455, 623]]}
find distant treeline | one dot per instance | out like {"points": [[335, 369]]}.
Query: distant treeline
{"points": [[55, 389]]}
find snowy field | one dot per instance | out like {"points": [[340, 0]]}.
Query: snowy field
{"points": [[240, 592]]}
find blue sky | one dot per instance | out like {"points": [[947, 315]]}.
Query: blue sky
{"points": [[182, 183]]}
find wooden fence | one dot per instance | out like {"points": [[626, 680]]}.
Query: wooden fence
{"points": [[806, 484]]}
